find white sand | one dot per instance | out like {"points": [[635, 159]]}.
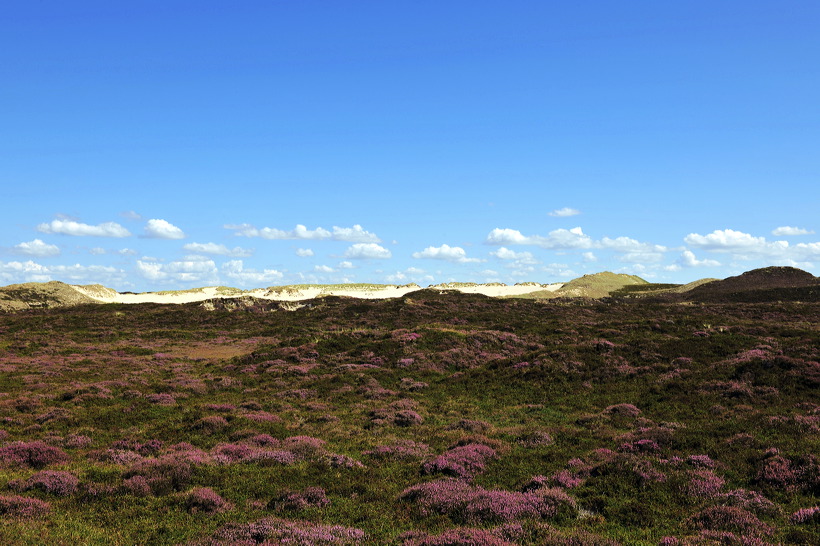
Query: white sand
{"points": [[305, 292]]}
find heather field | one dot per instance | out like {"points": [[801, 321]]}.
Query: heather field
{"points": [[434, 418]]}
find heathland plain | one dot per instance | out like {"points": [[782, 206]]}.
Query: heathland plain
{"points": [[604, 411]]}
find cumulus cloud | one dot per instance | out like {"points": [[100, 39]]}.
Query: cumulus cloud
{"points": [[744, 246], [78, 229], [589, 257], [726, 240], [524, 258], [37, 248], [785, 231], [366, 251], [633, 251], [565, 212], [355, 234], [345, 265], [454, 254], [688, 259], [162, 229], [236, 271], [219, 250], [191, 269], [304, 252], [30, 271], [559, 239], [323, 269]]}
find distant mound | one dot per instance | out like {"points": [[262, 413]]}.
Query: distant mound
{"points": [[656, 290], [596, 285], [765, 284], [36, 295]]}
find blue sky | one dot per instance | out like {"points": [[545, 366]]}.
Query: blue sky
{"points": [[161, 145]]}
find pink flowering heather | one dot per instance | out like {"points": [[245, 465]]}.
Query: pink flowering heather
{"points": [[461, 462], [53, 482], [407, 418], [262, 440], [268, 457], [279, 531], [704, 484], [35, 454], [163, 475], [232, 453], [700, 461], [731, 519], [77, 441], [304, 447], [779, 472], [568, 479], [644, 445], [464, 503], [205, 499], [336, 460], [221, 408], [806, 515], [137, 486], [749, 500], [16, 506], [161, 399], [117, 456]]}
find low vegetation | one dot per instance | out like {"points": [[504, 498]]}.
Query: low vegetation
{"points": [[436, 418]]}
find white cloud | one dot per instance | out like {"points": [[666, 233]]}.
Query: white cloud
{"points": [[37, 248], [589, 257], [236, 271], [524, 258], [345, 265], [323, 269], [304, 252], [560, 239], [743, 246], [409, 275], [192, 269], [366, 251], [788, 230], [688, 259], [219, 250], [99, 251], [726, 240], [70, 227], [454, 254], [131, 215], [633, 251], [355, 234], [29, 271], [561, 271], [162, 229], [565, 212]]}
